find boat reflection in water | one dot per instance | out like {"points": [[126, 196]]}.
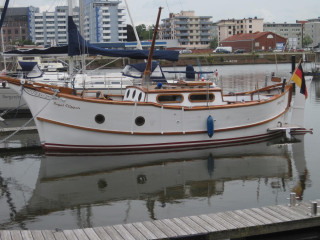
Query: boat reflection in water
{"points": [[75, 182]]}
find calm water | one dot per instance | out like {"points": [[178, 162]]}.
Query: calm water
{"points": [[39, 191]]}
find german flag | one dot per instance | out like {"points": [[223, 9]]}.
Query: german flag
{"points": [[298, 78]]}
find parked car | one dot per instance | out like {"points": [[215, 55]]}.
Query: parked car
{"points": [[185, 51], [239, 51]]}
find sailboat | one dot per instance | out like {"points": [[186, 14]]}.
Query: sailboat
{"points": [[185, 114]]}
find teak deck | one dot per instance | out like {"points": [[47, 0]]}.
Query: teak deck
{"points": [[230, 224]]}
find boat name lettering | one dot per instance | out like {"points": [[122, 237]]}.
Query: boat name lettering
{"points": [[72, 107], [58, 104], [10, 97], [65, 105]]}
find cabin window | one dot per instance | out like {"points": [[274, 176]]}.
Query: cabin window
{"points": [[133, 94], [170, 98], [201, 97], [140, 121], [128, 93], [140, 96], [99, 118]]}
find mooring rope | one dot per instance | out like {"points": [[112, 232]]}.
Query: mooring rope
{"points": [[19, 129]]}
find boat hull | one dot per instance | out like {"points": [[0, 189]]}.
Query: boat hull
{"points": [[67, 123]]}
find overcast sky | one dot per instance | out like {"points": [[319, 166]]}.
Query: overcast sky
{"points": [[145, 11]]}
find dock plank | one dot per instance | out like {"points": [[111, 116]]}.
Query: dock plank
{"points": [[174, 227], [154, 229], [283, 213], [16, 235], [70, 235], [47, 234], [123, 232], [240, 218], [276, 214], [203, 224], [91, 234], [26, 235], [294, 211], [193, 224], [249, 218], [37, 235], [102, 233], [113, 233], [232, 221], [266, 215], [184, 226], [257, 216], [214, 223], [227, 225], [134, 232], [145, 231], [5, 235], [164, 228], [59, 235]]}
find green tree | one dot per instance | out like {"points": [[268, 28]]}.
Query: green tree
{"points": [[307, 40], [145, 32], [214, 43]]}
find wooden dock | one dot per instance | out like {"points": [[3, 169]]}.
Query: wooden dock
{"points": [[13, 129], [230, 224]]}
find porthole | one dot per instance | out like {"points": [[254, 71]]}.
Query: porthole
{"points": [[133, 94], [99, 118], [140, 96], [140, 121], [128, 93]]}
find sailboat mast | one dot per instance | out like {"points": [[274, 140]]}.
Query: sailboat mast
{"points": [[83, 61], [139, 46], [146, 76], [71, 60]]}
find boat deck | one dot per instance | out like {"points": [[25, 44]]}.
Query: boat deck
{"points": [[230, 224]]}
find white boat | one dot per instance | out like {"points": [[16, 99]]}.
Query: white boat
{"points": [[147, 117], [152, 117]]}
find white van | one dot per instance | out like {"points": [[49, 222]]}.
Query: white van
{"points": [[223, 50]]}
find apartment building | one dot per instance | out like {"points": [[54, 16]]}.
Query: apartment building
{"points": [[15, 26], [230, 27], [312, 28], [291, 31], [104, 21], [190, 31], [50, 28]]}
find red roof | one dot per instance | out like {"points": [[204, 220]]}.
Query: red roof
{"points": [[248, 36]]}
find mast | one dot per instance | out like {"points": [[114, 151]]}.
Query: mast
{"points": [[71, 60], [146, 75], [134, 27]]}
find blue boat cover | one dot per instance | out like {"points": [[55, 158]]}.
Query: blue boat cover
{"points": [[3, 14], [77, 44], [27, 66]]}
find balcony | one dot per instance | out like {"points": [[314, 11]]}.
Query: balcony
{"points": [[183, 40], [182, 34], [185, 28], [181, 23]]}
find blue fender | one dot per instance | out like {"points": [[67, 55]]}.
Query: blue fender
{"points": [[210, 126]]}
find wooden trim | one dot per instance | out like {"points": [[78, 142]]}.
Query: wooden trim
{"points": [[186, 108]]}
